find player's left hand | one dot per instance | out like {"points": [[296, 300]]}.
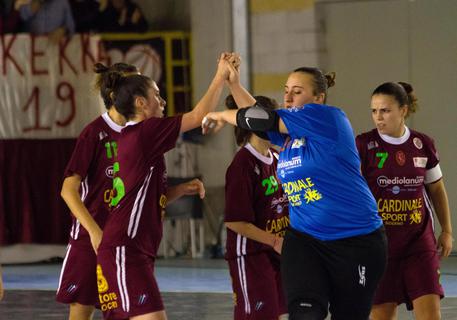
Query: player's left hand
{"points": [[193, 187], [444, 243], [213, 122], [277, 246]]}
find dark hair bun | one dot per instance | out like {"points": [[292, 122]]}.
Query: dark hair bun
{"points": [[230, 102], [100, 68], [412, 108], [330, 79]]}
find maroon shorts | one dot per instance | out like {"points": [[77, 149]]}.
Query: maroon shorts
{"points": [[409, 278], [78, 280], [126, 283], [257, 288]]}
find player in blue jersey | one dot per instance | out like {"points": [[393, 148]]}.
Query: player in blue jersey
{"points": [[335, 250]]}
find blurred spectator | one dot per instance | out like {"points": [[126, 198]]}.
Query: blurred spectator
{"points": [[52, 17], [85, 14], [121, 16], [9, 16]]}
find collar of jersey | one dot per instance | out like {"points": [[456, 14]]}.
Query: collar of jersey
{"points": [[132, 123], [267, 160], [396, 141], [113, 125]]}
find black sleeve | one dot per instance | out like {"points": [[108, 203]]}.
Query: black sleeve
{"points": [[262, 135], [257, 118]]}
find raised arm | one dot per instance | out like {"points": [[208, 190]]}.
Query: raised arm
{"points": [[242, 97], [208, 102], [252, 118]]}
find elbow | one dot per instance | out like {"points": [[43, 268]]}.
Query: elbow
{"points": [[63, 192], [229, 225], [232, 226]]}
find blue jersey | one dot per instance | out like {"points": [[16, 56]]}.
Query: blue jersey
{"points": [[319, 168]]}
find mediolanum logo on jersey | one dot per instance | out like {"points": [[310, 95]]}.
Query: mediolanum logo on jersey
{"points": [[384, 181], [109, 172], [290, 164]]}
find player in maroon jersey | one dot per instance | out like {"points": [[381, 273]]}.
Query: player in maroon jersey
{"points": [[402, 169], [256, 216], [86, 190], [125, 271]]}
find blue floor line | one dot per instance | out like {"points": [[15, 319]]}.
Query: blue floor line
{"points": [[170, 279]]}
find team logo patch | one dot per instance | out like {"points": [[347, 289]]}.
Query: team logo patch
{"points": [[163, 201], [102, 284], [142, 299], [102, 135], [295, 108], [362, 278], [418, 143], [109, 172], [400, 157], [279, 208], [396, 189], [71, 288], [108, 300], [372, 145], [297, 143], [259, 305], [257, 170], [420, 162]]}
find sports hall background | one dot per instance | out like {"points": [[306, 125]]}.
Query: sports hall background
{"points": [[365, 42]]}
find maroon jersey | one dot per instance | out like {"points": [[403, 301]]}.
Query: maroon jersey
{"points": [[253, 194], [397, 170], [92, 160], [135, 221]]}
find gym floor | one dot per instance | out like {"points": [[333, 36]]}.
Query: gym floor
{"points": [[191, 289]]}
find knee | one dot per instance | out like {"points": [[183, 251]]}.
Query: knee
{"points": [[309, 310]]}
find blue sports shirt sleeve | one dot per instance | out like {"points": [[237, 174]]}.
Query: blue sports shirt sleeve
{"points": [[312, 121], [276, 138]]}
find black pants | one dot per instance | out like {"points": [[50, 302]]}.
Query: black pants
{"points": [[342, 274]]}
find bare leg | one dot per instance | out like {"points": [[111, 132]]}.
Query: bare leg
{"points": [[385, 311], [427, 307], [159, 315], [81, 312]]}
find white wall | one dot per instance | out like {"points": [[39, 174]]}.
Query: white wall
{"points": [[211, 35], [368, 43], [365, 42]]}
